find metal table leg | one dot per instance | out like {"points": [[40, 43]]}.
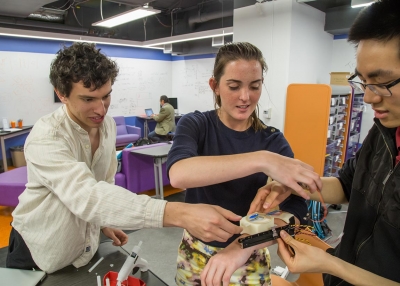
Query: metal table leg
{"points": [[160, 180], [156, 178], [3, 153], [146, 129]]}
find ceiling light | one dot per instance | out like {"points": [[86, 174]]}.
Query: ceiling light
{"points": [[360, 3], [127, 16], [190, 37], [68, 37]]}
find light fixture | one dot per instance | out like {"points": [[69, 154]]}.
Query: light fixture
{"points": [[153, 44], [218, 41], [190, 37], [127, 16], [69, 37], [360, 3]]}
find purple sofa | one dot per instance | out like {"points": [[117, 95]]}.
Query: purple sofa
{"points": [[125, 133], [137, 175], [137, 171], [12, 184]]}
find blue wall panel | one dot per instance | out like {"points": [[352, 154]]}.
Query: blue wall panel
{"points": [[15, 44]]}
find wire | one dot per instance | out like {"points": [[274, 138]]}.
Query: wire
{"points": [[144, 27], [178, 3], [66, 3], [172, 22], [76, 18], [222, 13], [161, 22], [73, 2], [323, 205], [125, 250], [101, 9]]}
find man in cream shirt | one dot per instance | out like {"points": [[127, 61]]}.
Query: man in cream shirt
{"points": [[70, 195]]}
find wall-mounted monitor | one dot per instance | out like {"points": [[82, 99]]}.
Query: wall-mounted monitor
{"points": [[56, 99], [174, 102]]}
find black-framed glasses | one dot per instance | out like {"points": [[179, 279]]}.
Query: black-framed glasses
{"points": [[378, 89]]}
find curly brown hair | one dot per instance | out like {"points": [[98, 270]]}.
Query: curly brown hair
{"points": [[233, 52], [81, 62]]}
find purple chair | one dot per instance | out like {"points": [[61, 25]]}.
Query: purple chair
{"points": [[125, 133], [12, 184], [138, 171]]}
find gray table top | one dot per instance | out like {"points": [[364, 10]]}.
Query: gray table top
{"points": [[114, 258], [156, 151], [24, 128]]}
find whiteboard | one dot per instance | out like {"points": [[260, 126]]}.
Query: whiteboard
{"points": [[25, 89], [139, 85], [26, 92], [190, 84]]}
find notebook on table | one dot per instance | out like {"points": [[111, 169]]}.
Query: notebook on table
{"points": [[11, 276], [149, 112]]}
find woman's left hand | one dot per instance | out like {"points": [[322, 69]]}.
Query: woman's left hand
{"points": [[269, 196], [118, 237], [221, 266]]}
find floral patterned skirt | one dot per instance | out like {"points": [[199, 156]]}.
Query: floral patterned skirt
{"points": [[193, 256]]}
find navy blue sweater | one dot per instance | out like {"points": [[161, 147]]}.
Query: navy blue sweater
{"points": [[203, 134]]}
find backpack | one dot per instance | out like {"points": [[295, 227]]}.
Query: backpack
{"points": [[142, 141]]}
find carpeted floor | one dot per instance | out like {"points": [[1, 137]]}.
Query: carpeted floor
{"points": [[6, 218]]}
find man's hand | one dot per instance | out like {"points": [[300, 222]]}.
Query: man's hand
{"points": [[118, 237], [221, 266], [268, 197], [306, 259], [206, 222]]}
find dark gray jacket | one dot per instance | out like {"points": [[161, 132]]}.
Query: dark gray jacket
{"points": [[371, 182]]}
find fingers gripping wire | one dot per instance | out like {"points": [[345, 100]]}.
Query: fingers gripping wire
{"points": [[324, 207], [316, 217]]}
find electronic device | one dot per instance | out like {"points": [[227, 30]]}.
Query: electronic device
{"points": [[10, 276], [268, 235], [132, 261], [174, 102], [148, 112]]}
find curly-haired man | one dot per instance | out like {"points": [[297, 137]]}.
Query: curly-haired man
{"points": [[71, 161]]}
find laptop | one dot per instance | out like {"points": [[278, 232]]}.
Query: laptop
{"points": [[11, 276], [149, 112]]}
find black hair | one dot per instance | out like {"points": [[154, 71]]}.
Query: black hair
{"points": [[379, 21], [165, 98], [81, 62]]}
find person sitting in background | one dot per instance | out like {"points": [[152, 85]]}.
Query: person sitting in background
{"points": [[222, 157], [71, 161], [165, 121], [369, 251]]}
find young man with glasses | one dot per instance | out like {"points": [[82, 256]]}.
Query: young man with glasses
{"points": [[369, 252]]}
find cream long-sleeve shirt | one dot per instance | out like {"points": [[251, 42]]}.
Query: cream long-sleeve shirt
{"points": [[70, 195]]}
